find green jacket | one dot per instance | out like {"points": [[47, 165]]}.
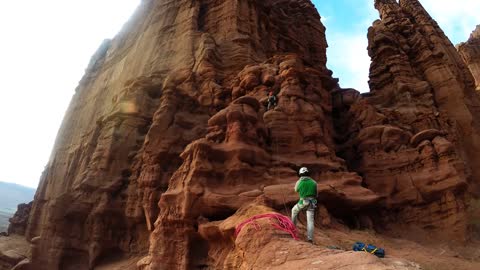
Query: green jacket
{"points": [[306, 187]]}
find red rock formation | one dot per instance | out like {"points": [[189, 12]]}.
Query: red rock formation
{"points": [[470, 52], [168, 135], [415, 137], [263, 247], [146, 95], [248, 153], [14, 251], [19, 221]]}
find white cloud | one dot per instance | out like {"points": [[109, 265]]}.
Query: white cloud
{"points": [[457, 18], [347, 54], [324, 19], [349, 60]]}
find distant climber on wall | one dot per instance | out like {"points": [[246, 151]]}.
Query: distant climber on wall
{"points": [[272, 101], [307, 189]]}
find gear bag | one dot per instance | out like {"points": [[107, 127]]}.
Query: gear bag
{"points": [[379, 252]]}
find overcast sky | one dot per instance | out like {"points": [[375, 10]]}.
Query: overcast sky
{"points": [[46, 45]]}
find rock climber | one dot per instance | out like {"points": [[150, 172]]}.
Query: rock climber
{"points": [[272, 100], [306, 187]]}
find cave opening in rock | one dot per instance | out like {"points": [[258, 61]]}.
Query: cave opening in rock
{"points": [[202, 16]]}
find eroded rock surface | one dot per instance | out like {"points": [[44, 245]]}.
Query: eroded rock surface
{"points": [[19, 221], [167, 139], [263, 247], [413, 136], [147, 94], [470, 52], [14, 250], [249, 153]]}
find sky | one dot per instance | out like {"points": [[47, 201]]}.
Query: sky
{"points": [[347, 23], [46, 45]]}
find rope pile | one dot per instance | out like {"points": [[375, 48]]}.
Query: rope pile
{"points": [[278, 221]]}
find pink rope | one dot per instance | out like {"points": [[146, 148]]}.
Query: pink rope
{"points": [[278, 221]]}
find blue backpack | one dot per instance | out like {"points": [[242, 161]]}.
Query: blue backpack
{"points": [[379, 252]]}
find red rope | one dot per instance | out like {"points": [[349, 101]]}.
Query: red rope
{"points": [[278, 221]]}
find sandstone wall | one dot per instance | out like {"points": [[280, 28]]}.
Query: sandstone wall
{"points": [[168, 134], [19, 222], [415, 137], [145, 96], [470, 52], [249, 153]]}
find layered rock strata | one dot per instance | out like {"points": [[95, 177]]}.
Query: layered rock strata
{"points": [[470, 52], [249, 153], [168, 135], [150, 92], [415, 137], [19, 221], [14, 253]]}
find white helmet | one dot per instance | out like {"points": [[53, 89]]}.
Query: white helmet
{"points": [[303, 171]]}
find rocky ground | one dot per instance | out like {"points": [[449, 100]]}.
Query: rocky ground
{"points": [[13, 249], [332, 250], [429, 255]]}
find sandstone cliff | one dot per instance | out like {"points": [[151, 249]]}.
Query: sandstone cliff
{"points": [[146, 95], [19, 221], [167, 144], [415, 137], [470, 52]]}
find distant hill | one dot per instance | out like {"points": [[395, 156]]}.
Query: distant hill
{"points": [[12, 195], [4, 221]]}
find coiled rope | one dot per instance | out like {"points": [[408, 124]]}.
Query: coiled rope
{"points": [[278, 221]]}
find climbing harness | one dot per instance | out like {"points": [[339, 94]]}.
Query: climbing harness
{"points": [[312, 203], [278, 221]]}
